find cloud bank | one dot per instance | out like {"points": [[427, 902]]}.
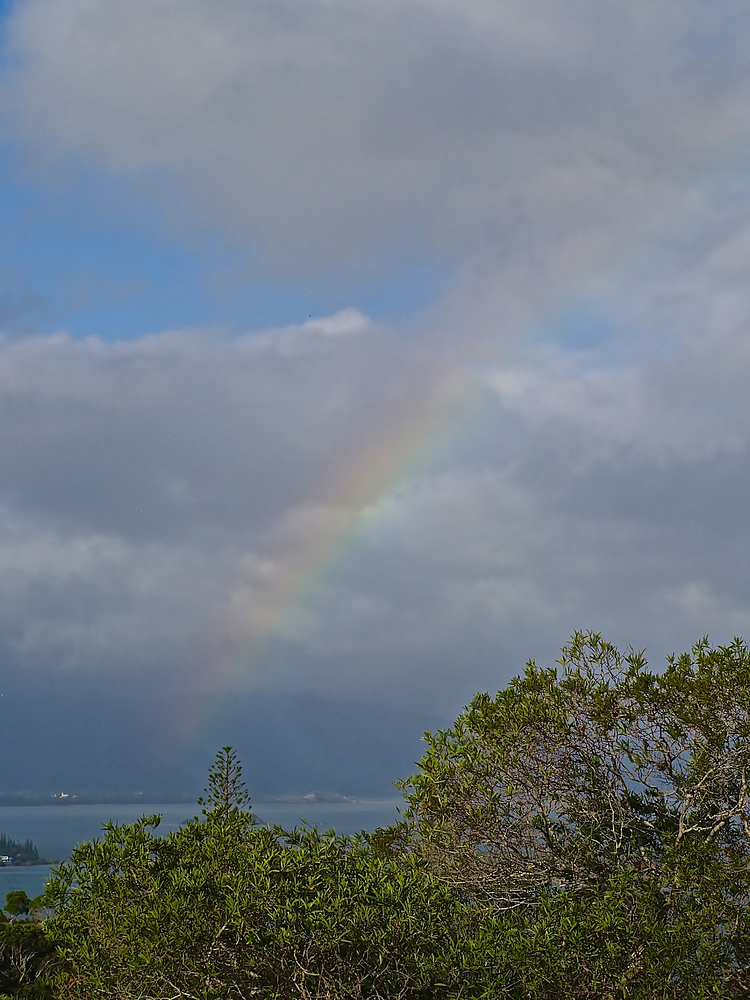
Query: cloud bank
{"points": [[329, 131], [396, 514], [157, 492]]}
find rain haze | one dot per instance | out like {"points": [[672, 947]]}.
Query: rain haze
{"points": [[353, 354]]}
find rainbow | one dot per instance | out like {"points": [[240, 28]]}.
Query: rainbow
{"points": [[323, 534], [403, 441]]}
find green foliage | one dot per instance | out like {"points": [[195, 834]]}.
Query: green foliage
{"points": [[584, 833], [604, 793], [222, 908], [17, 903], [620, 940], [226, 792], [27, 959]]}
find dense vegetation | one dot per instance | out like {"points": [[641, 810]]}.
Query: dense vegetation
{"points": [[583, 833]]}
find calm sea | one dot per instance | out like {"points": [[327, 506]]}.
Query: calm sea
{"points": [[55, 830]]}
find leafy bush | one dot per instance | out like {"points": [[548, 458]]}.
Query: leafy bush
{"points": [[224, 908], [585, 833], [27, 960], [606, 810]]}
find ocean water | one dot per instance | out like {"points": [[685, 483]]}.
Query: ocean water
{"points": [[55, 830], [32, 880]]}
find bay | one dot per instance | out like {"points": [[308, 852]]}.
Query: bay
{"points": [[343, 817], [31, 878]]}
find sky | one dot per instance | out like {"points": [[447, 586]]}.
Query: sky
{"points": [[359, 352]]}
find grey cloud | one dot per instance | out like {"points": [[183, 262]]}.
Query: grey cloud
{"points": [[142, 438], [319, 132], [181, 498], [163, 497], [83, 602]]}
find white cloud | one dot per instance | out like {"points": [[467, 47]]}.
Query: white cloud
{"points": [[323, 132]]}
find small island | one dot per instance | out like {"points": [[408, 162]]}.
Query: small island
{"points": [[329, 798], [12, 852]]}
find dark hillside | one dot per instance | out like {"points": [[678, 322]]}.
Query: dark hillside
{"points": [[59, 736]]}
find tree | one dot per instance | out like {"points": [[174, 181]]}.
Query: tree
{"points": [[226, 792], [225, 908], [585, 833], [599, 781], [27, 956], [17, 904]]}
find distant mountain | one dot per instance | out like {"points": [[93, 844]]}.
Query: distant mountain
{"points": [[58, 737]]}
